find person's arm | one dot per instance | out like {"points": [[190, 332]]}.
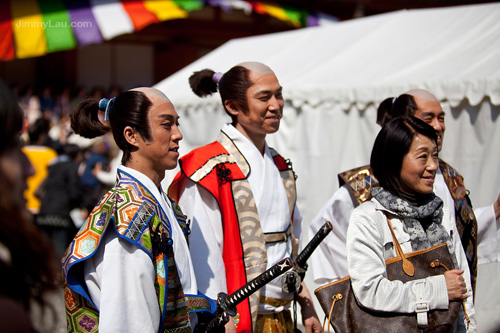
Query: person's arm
{"points": [[108, 177], [488, 242], [309, 317], [206, 239], [367, 236], [332, 249], [496, 207], [121, 282], [463, 265]]}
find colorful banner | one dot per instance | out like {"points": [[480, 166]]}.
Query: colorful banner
{"points": [[28, 29], [7, 41], [57, 26], [83, 22], [31, 28]]}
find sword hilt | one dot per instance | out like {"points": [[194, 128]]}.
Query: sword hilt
{"points": [[291, 281], [227, 304], [303, 256], [260, 281]]}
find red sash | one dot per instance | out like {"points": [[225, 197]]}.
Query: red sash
{"points": [[213, 168]]}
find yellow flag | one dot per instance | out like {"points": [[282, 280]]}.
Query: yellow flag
{"points": [[165, 10], [28, 27], [280, 14]]}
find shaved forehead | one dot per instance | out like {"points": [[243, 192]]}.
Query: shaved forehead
{"points": [[257, 67], [420, 93], [152, 93]]}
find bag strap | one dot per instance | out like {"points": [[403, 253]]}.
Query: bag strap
{"points": [[408, 267], [421, 306], [335, 298]]}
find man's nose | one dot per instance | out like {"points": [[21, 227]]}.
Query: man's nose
{"points": [[177, 134], [274, 103], [436, 125]]}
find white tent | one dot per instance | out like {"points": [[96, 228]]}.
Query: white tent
{"points": [[335, 76]]}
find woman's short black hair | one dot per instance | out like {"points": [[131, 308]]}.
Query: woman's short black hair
{"points": [[393, 142]]}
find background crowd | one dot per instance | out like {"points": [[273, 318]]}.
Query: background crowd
{"points": [[71, 172]]}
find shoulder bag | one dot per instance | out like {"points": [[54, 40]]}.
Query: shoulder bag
{"points": [[345, 314]]}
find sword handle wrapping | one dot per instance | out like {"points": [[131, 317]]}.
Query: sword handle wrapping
{"points": [[227, 304], [302, 257], [260, 281]]}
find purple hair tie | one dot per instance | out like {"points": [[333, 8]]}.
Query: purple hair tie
{"points": [[394, 99], [104, 105], [216, 77]]}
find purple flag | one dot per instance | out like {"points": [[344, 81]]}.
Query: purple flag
{"points": [[84, 24]]}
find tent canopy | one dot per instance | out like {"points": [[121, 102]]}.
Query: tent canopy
{"points": [[335, 76], [453, 52]]}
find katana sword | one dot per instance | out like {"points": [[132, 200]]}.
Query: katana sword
{"points": [[290, 282], [303, 256], [227, 304]]}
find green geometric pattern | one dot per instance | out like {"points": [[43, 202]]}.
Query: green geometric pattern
{"points": [[81, 317], [134, 211]]}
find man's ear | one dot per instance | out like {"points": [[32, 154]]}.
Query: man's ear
{"points": [[232, 107], [131, 136]]}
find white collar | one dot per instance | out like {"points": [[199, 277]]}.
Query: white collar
{"points": [[242, 142]]}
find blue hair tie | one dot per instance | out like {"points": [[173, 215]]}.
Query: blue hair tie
{"points": [[104, 105]]}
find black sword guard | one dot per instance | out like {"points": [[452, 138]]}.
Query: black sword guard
{"points": [[227, 304], [290, 282]]}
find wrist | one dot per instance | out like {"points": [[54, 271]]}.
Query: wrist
{"points": [[496, 209]]}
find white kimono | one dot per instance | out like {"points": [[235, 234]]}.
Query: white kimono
{"points": [[206, 238], [120, 277]]}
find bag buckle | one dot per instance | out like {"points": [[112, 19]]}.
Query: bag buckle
{"points": [[421, 307]]}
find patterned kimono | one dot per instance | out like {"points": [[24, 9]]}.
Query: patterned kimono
{"points": [[131, 211]]}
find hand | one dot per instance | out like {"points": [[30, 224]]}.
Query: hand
{"points": [[496, 207], [312, 325], [97, 168], [309, 317], [230, 326], [457, 290]]}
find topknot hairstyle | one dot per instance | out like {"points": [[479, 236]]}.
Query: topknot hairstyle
{"points": [[233, 85], [402, 106], [130, 108], [202, 83]]}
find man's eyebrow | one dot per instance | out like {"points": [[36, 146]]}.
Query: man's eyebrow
{"points": [[168, 117], [268, 91], [429, 113]]}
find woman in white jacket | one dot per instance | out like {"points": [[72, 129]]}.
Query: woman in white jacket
{"points": [[404, 160]]}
